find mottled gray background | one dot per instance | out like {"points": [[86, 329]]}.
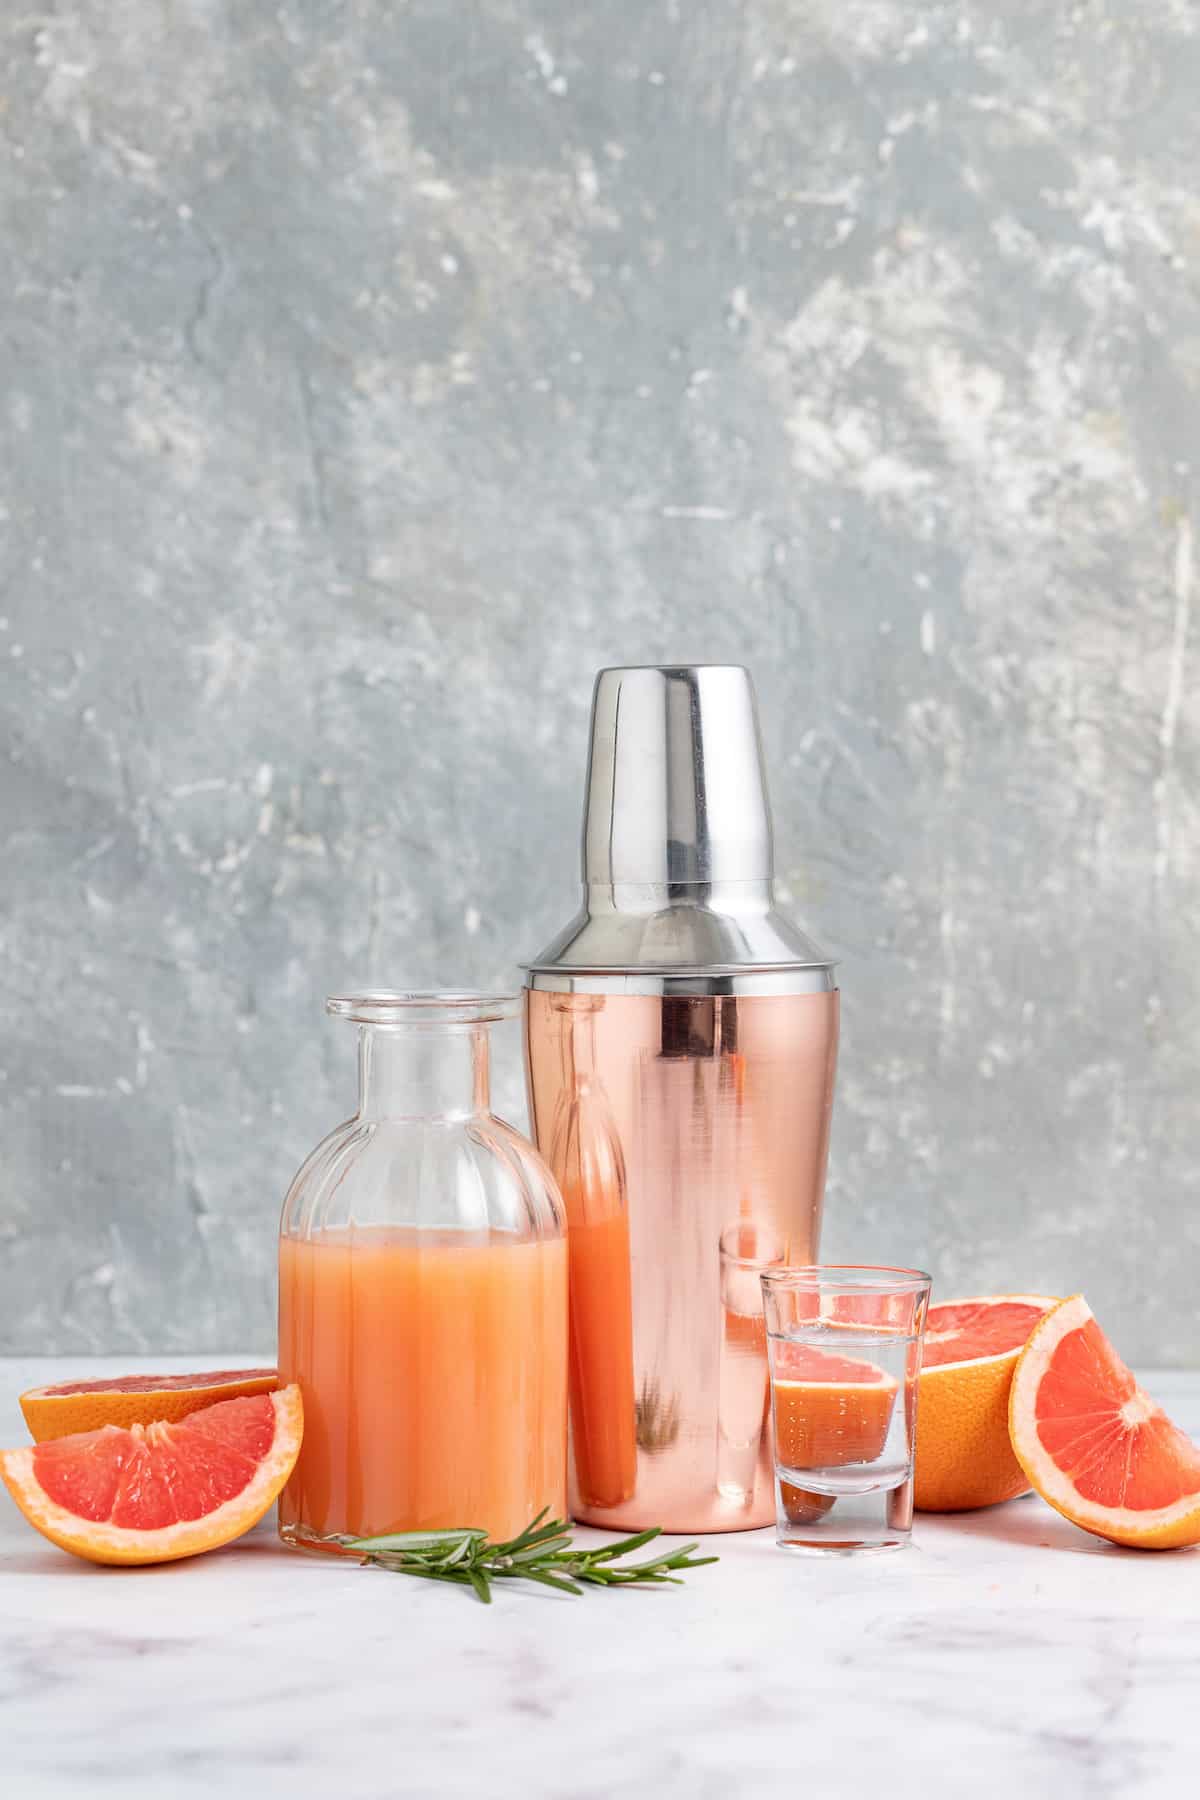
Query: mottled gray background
{"points": [[372, 372]]}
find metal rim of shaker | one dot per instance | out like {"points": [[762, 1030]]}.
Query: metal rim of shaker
{"points": [[813, 978]]}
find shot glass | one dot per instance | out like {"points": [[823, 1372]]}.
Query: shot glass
{"points": [[844, 1352]]}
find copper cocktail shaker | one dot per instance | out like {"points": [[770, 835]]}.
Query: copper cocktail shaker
{"points": [[681, 1040]]}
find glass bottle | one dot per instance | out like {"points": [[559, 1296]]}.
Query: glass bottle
{"points": [[423, 1293]]}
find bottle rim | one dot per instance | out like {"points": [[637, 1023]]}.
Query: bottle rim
{"points": [[423, 1006]]}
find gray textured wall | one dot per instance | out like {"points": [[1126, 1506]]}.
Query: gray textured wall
{"points": [[372, 372]]}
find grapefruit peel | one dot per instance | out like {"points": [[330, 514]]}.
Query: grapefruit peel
{"points": [[964, 1459], [68, 1407]]}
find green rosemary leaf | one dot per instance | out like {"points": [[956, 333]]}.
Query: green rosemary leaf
{"points": [[415, 1540], [480, 1583], [552, 1547], [652, 1580], [553, 1532], [625, 1545], [465, 1550], [457, 1576], [642, 1568], [564, 1584], [526, 1536]]}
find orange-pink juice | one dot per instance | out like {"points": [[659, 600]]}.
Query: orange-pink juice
{"points": [[603, 1407], [434, 1374]]}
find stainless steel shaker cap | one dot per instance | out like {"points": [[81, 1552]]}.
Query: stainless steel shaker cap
{"points": [[676, 791], [678, 857]]}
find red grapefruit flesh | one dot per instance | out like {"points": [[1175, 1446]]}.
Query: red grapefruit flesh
{"points": [[1094, 1444], [829, 1410], [154, 1493]]}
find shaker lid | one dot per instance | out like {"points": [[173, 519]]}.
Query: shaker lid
{"points": [[676, 790], [678, 856]]}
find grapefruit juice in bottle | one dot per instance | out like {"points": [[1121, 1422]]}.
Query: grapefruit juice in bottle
{"points": [[423, 1295], [434, 1376]]}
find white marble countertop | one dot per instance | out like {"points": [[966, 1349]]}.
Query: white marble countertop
{"points": [[1005, 1653]]}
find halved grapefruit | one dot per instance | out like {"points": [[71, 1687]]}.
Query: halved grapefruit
{"points": [[963, 1456], [71, 1406], [829, 1410], [154, 1493], [1094, 1444]]}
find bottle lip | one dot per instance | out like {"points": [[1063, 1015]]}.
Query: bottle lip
{"points": [[423, 1006]]}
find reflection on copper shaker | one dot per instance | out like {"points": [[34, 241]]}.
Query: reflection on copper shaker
{"points": [[585, 1157], [747, 1248], [681, 1040]]}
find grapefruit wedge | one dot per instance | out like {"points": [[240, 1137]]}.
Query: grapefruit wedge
{"points": [[155, 1493], [829, 1410], [70, 1406], [1094, 1444], [963, 1455]]}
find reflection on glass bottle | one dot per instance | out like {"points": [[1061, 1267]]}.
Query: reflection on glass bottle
{"points": [[585, 1157]]}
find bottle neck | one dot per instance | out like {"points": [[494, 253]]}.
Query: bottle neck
{"points": [[423, 1072], [577, 1041]]}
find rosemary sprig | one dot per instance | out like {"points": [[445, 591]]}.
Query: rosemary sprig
{"points": [[543, 1552]]}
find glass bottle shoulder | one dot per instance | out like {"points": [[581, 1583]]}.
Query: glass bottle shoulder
{"points": [[475, 1174]]}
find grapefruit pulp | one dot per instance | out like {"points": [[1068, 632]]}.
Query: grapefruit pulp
{"points": [[154, 1493], [829, 1410], [1094, 1444], [71, 1406], [963, 1456]]}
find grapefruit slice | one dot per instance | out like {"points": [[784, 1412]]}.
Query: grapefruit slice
{"points": [[71, 1406], [829, 1410], [154, 1493], [963, 1455], [1094, 1444]]}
